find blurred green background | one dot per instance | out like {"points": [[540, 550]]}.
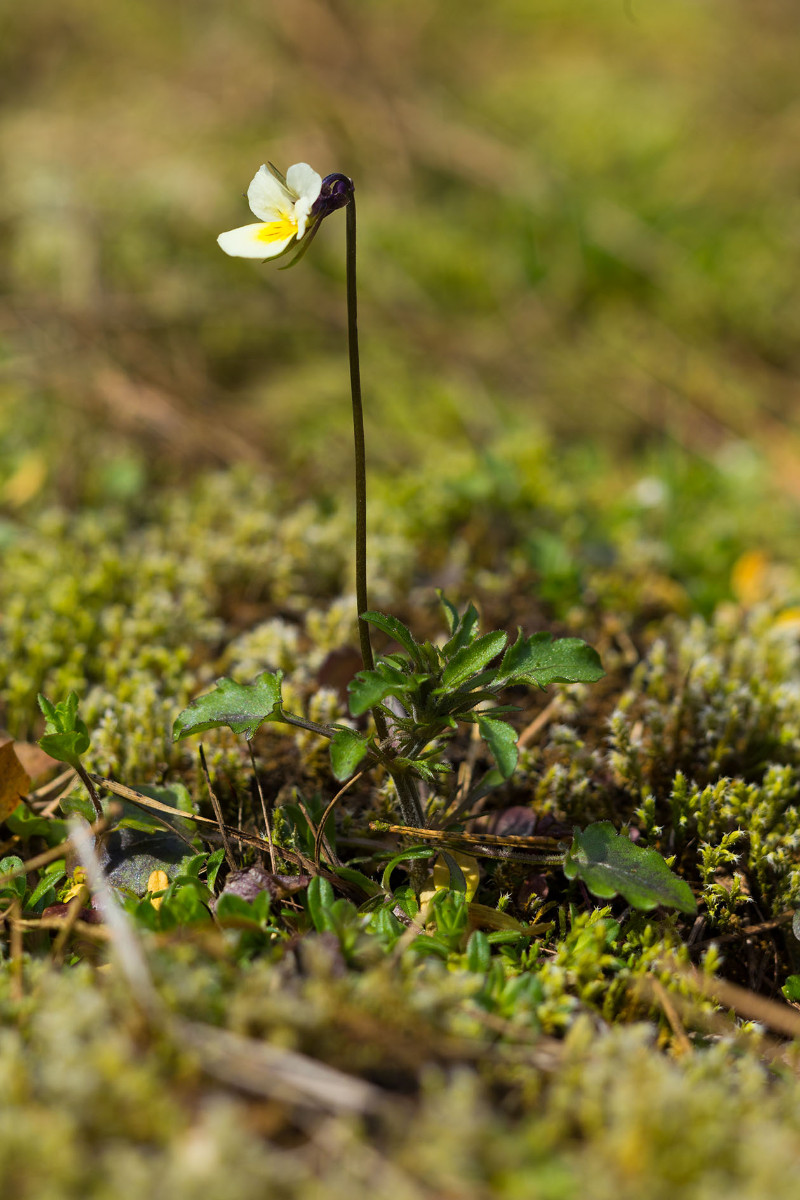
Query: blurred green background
{"points": [[579, 227]]}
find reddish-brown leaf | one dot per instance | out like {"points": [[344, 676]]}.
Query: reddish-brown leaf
{"points": [[14, 781]]}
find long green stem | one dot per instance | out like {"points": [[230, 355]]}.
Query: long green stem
{"points": [[358, 438], [406, 787]]}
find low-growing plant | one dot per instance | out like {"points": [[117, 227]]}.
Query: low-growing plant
{"points": [[407, 707], [419, 695]]}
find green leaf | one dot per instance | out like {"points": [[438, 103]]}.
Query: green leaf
{"points": [[501, 739], [539, 660], [243, 707], [462, 629], [396, 630], [213, 865], [26, 824], [450, 612], [184, 904], [608, 863], [17, 886], [320, 901], [47, 883], [469, 660], [506, 937], [234, 911], [76, 804], [457, 881], [65, 736], [367, 885], [48, 709], [409, 855], [371, 687], [65, 747], [791, 989], [479, 953], [347, 750]]}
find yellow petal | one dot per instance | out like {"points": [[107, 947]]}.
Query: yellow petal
{"points": [[262, 240]]}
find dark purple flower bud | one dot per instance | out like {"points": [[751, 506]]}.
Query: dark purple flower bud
{"points": [[335, 193]]}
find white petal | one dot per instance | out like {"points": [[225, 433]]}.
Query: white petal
{"points": [[267, 196], [301, 210], [304, 182], [252, 241]]}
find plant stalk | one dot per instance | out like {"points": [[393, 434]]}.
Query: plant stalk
{"points": [[87, 783], [358, 438], [406, 789]]}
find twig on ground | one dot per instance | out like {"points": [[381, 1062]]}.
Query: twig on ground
{"points": [[320, 834], [332, 858], [267, 826], [747, 931], [272, 1071], [232, 863], [682, 1043]]}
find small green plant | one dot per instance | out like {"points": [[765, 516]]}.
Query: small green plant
{"points": [[419, 695], [66, 738], [422, 693], [434, 689]]}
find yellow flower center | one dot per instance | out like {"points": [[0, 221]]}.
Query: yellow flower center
{"points": [[278, 231]]}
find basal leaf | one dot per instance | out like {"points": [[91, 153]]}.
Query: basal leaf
{"points": [[242, 707], [610, 863], [347, 750], [396, 630], [469, 660], [501, 739], [539, 660]]}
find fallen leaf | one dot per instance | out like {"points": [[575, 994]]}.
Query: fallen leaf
{"points": [[255, 879], [14, 782], [33, 759]]}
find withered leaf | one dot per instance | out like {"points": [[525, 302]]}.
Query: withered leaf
{"points": [[14, 781], [250, 882]]}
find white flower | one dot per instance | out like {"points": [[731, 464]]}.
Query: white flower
{"points": [[284, 209]]}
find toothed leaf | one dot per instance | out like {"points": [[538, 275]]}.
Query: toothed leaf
{"points": [[242, 707]]}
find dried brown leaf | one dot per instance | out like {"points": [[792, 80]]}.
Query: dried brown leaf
{"points": [[14, 780]]}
